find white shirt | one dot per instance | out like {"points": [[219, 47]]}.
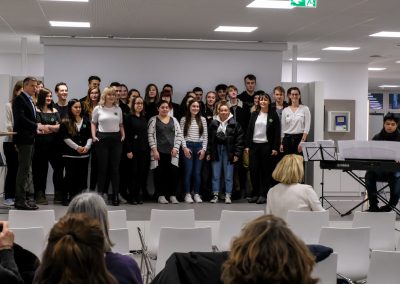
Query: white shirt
{"points": [[9, 121], [260, 128], [295, 122], [284, 197], [107, 119]]}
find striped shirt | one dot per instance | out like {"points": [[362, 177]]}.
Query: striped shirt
{"points": [[193, 134]]}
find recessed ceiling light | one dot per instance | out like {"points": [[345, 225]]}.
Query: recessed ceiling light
{"points": [[389, 86], [376, 68], [341, 48], [398, 61], [65, 1], [271, 4], [235, 29], [70, 24], [306, 58], [386, 34]]}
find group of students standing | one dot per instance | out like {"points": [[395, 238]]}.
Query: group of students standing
{"points": [[230, 136]]}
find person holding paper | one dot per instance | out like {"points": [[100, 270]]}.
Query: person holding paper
{"points": [[389, 132]]}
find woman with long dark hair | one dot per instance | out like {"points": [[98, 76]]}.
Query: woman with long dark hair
{"points": [[75, 132], [151, 98], [194, 144], [46, 147], [137, 151]]}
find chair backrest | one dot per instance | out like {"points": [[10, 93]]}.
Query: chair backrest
{"points": [[120, 239], [167, 218], [384, 267], [307, 224], [117, 219], [352, 247], [382, 226], [28, 219], [182, 240], [231, 224], [32, 239], [326, 270]]}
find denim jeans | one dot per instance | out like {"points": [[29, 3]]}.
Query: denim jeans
{"points": [[394, 184], [193, 167], [217, 166]]}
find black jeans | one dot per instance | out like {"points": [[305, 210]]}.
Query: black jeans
{"points": [[290, 143], [261, 167], [137, 175], [165, 176], [108, 150], [76, 173], [11, 156]]}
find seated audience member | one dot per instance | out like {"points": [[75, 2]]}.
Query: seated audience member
{"points": [[389, 132], [8, 268], [74, 253], [290, 194], [268, 252], [123, 268]]}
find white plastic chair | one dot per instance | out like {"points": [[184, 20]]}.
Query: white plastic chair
{"points": [[167, 218], [352, 247], [382, 226], [28, 219], [120, 238], [117, 219], [307, 224], [182, 240], [31, 239], [384, 267], [231, 224], [326, 270]]}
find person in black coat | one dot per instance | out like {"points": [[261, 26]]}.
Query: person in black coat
{"points": [[225, 146], [262, 143]]}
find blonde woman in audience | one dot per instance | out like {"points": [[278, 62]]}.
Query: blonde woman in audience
{"points": [[268, 252], [290, 194]]}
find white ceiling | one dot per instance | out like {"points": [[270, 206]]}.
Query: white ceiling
{"points": [[332, 23]]}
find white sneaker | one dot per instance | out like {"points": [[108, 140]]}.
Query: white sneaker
{"points": [[173, 200], [9, 202], [197, 198], [228, 198], [188, 198], [162, 200], [121, 199], [214, 199]]}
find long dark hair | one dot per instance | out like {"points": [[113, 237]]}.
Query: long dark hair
{"points": [[289, 91], [146, 93], [87, 103], [41, 100], [188, 120], [264, 95], [132, 106], [70, 122]]}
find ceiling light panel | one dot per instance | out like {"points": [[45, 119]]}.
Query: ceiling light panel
{"points": [[270, 4], [389, 86], [376, 68], [341, 48], [306, 59], [235, 29], [70, 24], [85, 1], [386, 34]]}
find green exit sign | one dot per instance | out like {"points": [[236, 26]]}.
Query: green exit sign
{"points": [[304, 3]]}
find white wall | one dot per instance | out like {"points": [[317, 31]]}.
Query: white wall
{"points": [[347, 81], [184, 68], [10, 64]]}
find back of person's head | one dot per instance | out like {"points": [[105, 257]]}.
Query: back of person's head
{"points": [[94, 206], [268, 252], [74, 253], [391, 116], [289, 170]]}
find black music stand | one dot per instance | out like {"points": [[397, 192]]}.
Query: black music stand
{"points": [[322, 153]]}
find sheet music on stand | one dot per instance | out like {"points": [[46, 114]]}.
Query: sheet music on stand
{"points": [[321, 150]]}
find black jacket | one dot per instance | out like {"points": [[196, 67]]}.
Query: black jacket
{"points": [[384, 136], [24, 120], [234, 139], [273, 130], [80, 138], [136, 134]]}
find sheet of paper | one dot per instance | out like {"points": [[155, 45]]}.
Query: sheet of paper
{"points": [[369, 150]]}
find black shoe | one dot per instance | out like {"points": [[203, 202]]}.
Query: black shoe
{"points": [[115, 200], [254, 199], [373, 209], [25, 206], [385, 208], [261, 200]]}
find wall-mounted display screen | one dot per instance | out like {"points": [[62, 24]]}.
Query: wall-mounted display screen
{"points": [[375, 101], [394, 101]]}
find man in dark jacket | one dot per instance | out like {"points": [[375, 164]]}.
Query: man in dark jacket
{"points": [[389, 132]]}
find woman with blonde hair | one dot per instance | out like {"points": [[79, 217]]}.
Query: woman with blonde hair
{"points": [[108, 134], [268, 252], [290, 194]]}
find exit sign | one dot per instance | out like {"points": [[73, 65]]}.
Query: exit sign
{"points": [[304, 3]]}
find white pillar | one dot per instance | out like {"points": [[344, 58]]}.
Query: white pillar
{"points": [[24, 56], [294, 63]]}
